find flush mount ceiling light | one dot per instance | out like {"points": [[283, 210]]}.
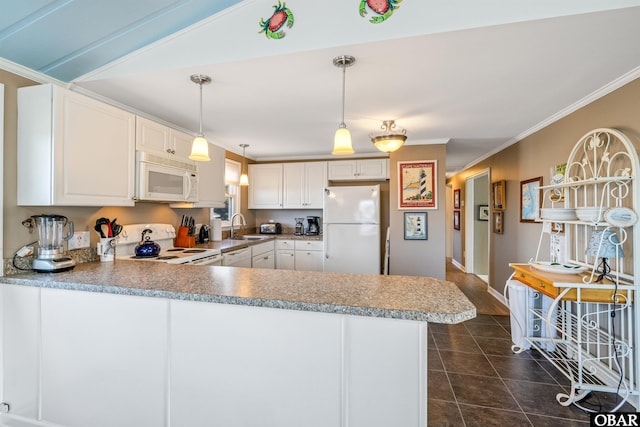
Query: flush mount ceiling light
{"points": [[390, 139], [200, 146], [342, 138], [244, 178]]}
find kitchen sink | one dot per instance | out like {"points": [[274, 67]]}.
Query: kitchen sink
{"points": [[250, 238]]}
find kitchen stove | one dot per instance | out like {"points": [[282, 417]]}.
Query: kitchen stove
{"points": [[163, 234]]}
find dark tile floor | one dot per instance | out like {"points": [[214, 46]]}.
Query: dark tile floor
{"points": [[475, 379]]}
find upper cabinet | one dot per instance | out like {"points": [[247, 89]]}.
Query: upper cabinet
{"points": [[73, 150], [287, 185], [358, 170], [153, 137], [210, 181], [265, 186], [304, 184]]}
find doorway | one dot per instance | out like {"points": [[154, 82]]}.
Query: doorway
{"points": [[477, 190]]}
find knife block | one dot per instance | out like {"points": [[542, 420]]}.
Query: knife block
{"points": [[183, 239]]}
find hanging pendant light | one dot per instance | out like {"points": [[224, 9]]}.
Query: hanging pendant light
{"points": [[342, 138], [200, 146], [390, 139], [244, 178]]}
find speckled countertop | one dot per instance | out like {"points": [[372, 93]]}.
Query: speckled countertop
{"points": [[400, 297]]}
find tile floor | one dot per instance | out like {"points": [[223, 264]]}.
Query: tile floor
{"points": [[475, 379]]}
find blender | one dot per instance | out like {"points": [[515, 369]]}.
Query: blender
{"points": [[51, 243]]}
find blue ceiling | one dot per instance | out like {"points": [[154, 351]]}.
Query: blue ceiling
{"points": [[68, 38]]}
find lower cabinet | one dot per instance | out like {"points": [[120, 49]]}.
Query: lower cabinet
{"points": [[309, 255], [285, 255], [263, 255], [237, 258]]}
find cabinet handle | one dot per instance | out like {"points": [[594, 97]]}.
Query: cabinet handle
{"points": [[169, 150]]}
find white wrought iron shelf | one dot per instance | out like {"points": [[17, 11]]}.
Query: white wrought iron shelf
{"points": [[590, 181]]}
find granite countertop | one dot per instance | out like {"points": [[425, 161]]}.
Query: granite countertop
{"points": [[401, 297], [228, 245]]}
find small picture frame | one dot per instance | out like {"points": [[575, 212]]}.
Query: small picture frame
{"points": [[415, 226], [497, 223], [456, 199], [483, 213], [456, 220], [557, 227], [498, 196], [530, 196]]}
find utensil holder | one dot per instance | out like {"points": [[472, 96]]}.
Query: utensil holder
{"points": [[183, 239], [106, 249]]}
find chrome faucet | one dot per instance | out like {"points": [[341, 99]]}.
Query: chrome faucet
{"points": [[243, 222]]}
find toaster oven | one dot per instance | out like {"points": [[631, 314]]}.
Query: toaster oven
{"points": [[271, 228]]}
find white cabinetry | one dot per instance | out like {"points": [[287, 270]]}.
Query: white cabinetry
{"points": [[237, 258], [265, 186], [153, 137], [358, 170], [583, 323], [73, 150], [309, 255], [285, 255], [304, 184], [287, 185], [210, 181], [263, 255]]}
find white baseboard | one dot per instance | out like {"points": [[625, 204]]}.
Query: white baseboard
{"points": [[497, 295], [457, 265]]}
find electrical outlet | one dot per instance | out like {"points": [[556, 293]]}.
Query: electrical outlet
{"points": [[80, 239]]}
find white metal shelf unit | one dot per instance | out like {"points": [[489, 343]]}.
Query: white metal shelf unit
{"points": [[593, 340]]}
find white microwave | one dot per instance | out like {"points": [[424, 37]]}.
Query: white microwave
{"points": [[160, 179]]}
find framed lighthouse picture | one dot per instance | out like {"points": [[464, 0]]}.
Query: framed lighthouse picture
{"points": [[418, 184]]}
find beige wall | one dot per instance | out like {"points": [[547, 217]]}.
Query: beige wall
{"points": [[533, 157], [418, 257]]}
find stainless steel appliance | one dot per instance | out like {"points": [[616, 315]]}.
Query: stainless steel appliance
{"points": [[313, 225], [163, 235], [51, 239], [163, 180], [271, 228], [299, 230]]}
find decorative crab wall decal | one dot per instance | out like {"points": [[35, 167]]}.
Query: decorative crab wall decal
{"points": [[281, 15], [384, 8]]}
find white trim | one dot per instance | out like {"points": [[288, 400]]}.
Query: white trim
{"points": [[457, 265], [497, 295], [29, 73], [593, 96]]}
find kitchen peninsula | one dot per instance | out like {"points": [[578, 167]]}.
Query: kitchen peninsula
{"points": [[132, 343]]}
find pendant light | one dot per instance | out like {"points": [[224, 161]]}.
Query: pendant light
{"points": [[200, 146], [342, 138], [244, 178], [390, 139]]}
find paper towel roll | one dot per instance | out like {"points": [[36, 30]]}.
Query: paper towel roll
{"points": [[216, 229]]}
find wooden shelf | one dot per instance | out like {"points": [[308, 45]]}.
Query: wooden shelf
{"points": [[552, 284]]}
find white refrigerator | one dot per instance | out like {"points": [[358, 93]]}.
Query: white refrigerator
{"points": [[351, 228]]}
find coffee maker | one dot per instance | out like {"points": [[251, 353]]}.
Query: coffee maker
{"points": [[299, 230], [313, 225], [51, 243]]}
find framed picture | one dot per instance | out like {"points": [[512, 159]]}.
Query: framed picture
{"points": [[418, 184], [483, 213], [497, 222], [530, 195], [557, 227], [415, 226], [456, 220], [456, 199], [499, 197]]}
